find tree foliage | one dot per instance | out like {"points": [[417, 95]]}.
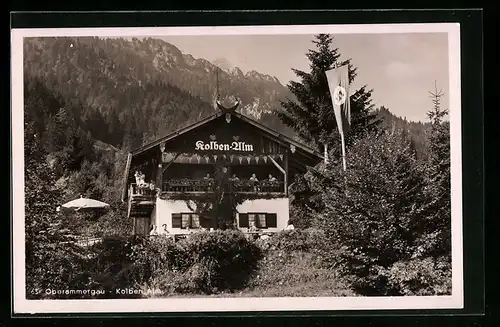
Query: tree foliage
{"points": [[439, 176], [376, 210], [387, 216], [311, 114], [52, 257]]}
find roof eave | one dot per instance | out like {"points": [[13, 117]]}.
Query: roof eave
{"points": [[174, 134]]}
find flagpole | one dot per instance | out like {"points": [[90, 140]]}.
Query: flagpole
{"points": [[217, 72], [342, 139], [343, 151]]}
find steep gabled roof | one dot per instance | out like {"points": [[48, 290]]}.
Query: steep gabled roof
{"points": [[176, 133], [217, 115], [283, 139]]}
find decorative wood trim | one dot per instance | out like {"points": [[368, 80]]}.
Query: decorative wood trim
{"points": [[170, 162], [277, 165], [158, 169], [125, 177], [286, 173]]}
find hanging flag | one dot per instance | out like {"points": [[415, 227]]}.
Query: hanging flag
{"points": [[215, 157], [281, 157], [232, 158], [198, 158], [338, 83], [241, 159], [257, 159], [207, 159], [265, 159], [249, 159]]}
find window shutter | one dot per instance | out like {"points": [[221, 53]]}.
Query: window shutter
{"points": [[262, 220], [195, 221], [176, 220], [243, 220], [186, 220], [272, 220]]}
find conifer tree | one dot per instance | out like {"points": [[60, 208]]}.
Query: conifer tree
{"points": [[312, 115], [439, 178]]}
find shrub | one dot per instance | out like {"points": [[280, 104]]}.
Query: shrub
{"points": [[427, 276], [108, 264], [205, 262], [295, 240], [153, 254], [377, 211], [219, 260], [293, 266]]}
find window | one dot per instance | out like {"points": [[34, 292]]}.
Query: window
{"points": [[185, 220], [260, 219]]}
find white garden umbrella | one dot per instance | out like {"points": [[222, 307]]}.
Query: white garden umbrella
{"points": [[84, 205]]}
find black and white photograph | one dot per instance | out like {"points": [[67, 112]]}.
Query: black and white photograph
{"points": [[262, 168]]}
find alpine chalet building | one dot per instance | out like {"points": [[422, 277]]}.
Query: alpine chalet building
{"points": [[225, 171]]}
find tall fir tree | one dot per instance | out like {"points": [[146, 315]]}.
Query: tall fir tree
{"points": [[439, 177], [312, 115]]}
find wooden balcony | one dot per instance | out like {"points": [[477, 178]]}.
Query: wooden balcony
{"points": [[141, 200], [207, 186]]}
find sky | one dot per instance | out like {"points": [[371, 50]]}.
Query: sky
{"points": [[400, 68]]}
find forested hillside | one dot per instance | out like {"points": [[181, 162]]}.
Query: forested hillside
{"points": [[141, 89], [133, 91], [416, 130]]}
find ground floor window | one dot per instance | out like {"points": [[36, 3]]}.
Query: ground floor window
{"points": [[259, 219], [185, 220]]}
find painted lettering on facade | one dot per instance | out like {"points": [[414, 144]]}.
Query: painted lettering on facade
{"points": [[215, 146]]}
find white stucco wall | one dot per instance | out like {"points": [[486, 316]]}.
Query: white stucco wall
{"points": [[162, 214], [152, 220], [280, 206]]}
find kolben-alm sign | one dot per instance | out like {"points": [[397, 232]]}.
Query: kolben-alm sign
{"points": [[216, 146]]}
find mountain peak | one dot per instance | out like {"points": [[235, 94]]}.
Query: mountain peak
{"points": [[223, 64], [256, 75], [235, 71]]}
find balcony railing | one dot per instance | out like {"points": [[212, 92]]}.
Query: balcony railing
{"points": [[142, 190], [188, 185]]}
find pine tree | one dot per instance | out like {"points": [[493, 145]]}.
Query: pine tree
{"points": [[439, 178], [312, 116]]}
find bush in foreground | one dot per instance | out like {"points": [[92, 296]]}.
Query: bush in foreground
{"points": [[203, 263], [293, 265], [210, 262], [377, 215]]}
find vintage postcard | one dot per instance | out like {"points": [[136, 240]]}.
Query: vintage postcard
{"points": [[263, 168]]}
